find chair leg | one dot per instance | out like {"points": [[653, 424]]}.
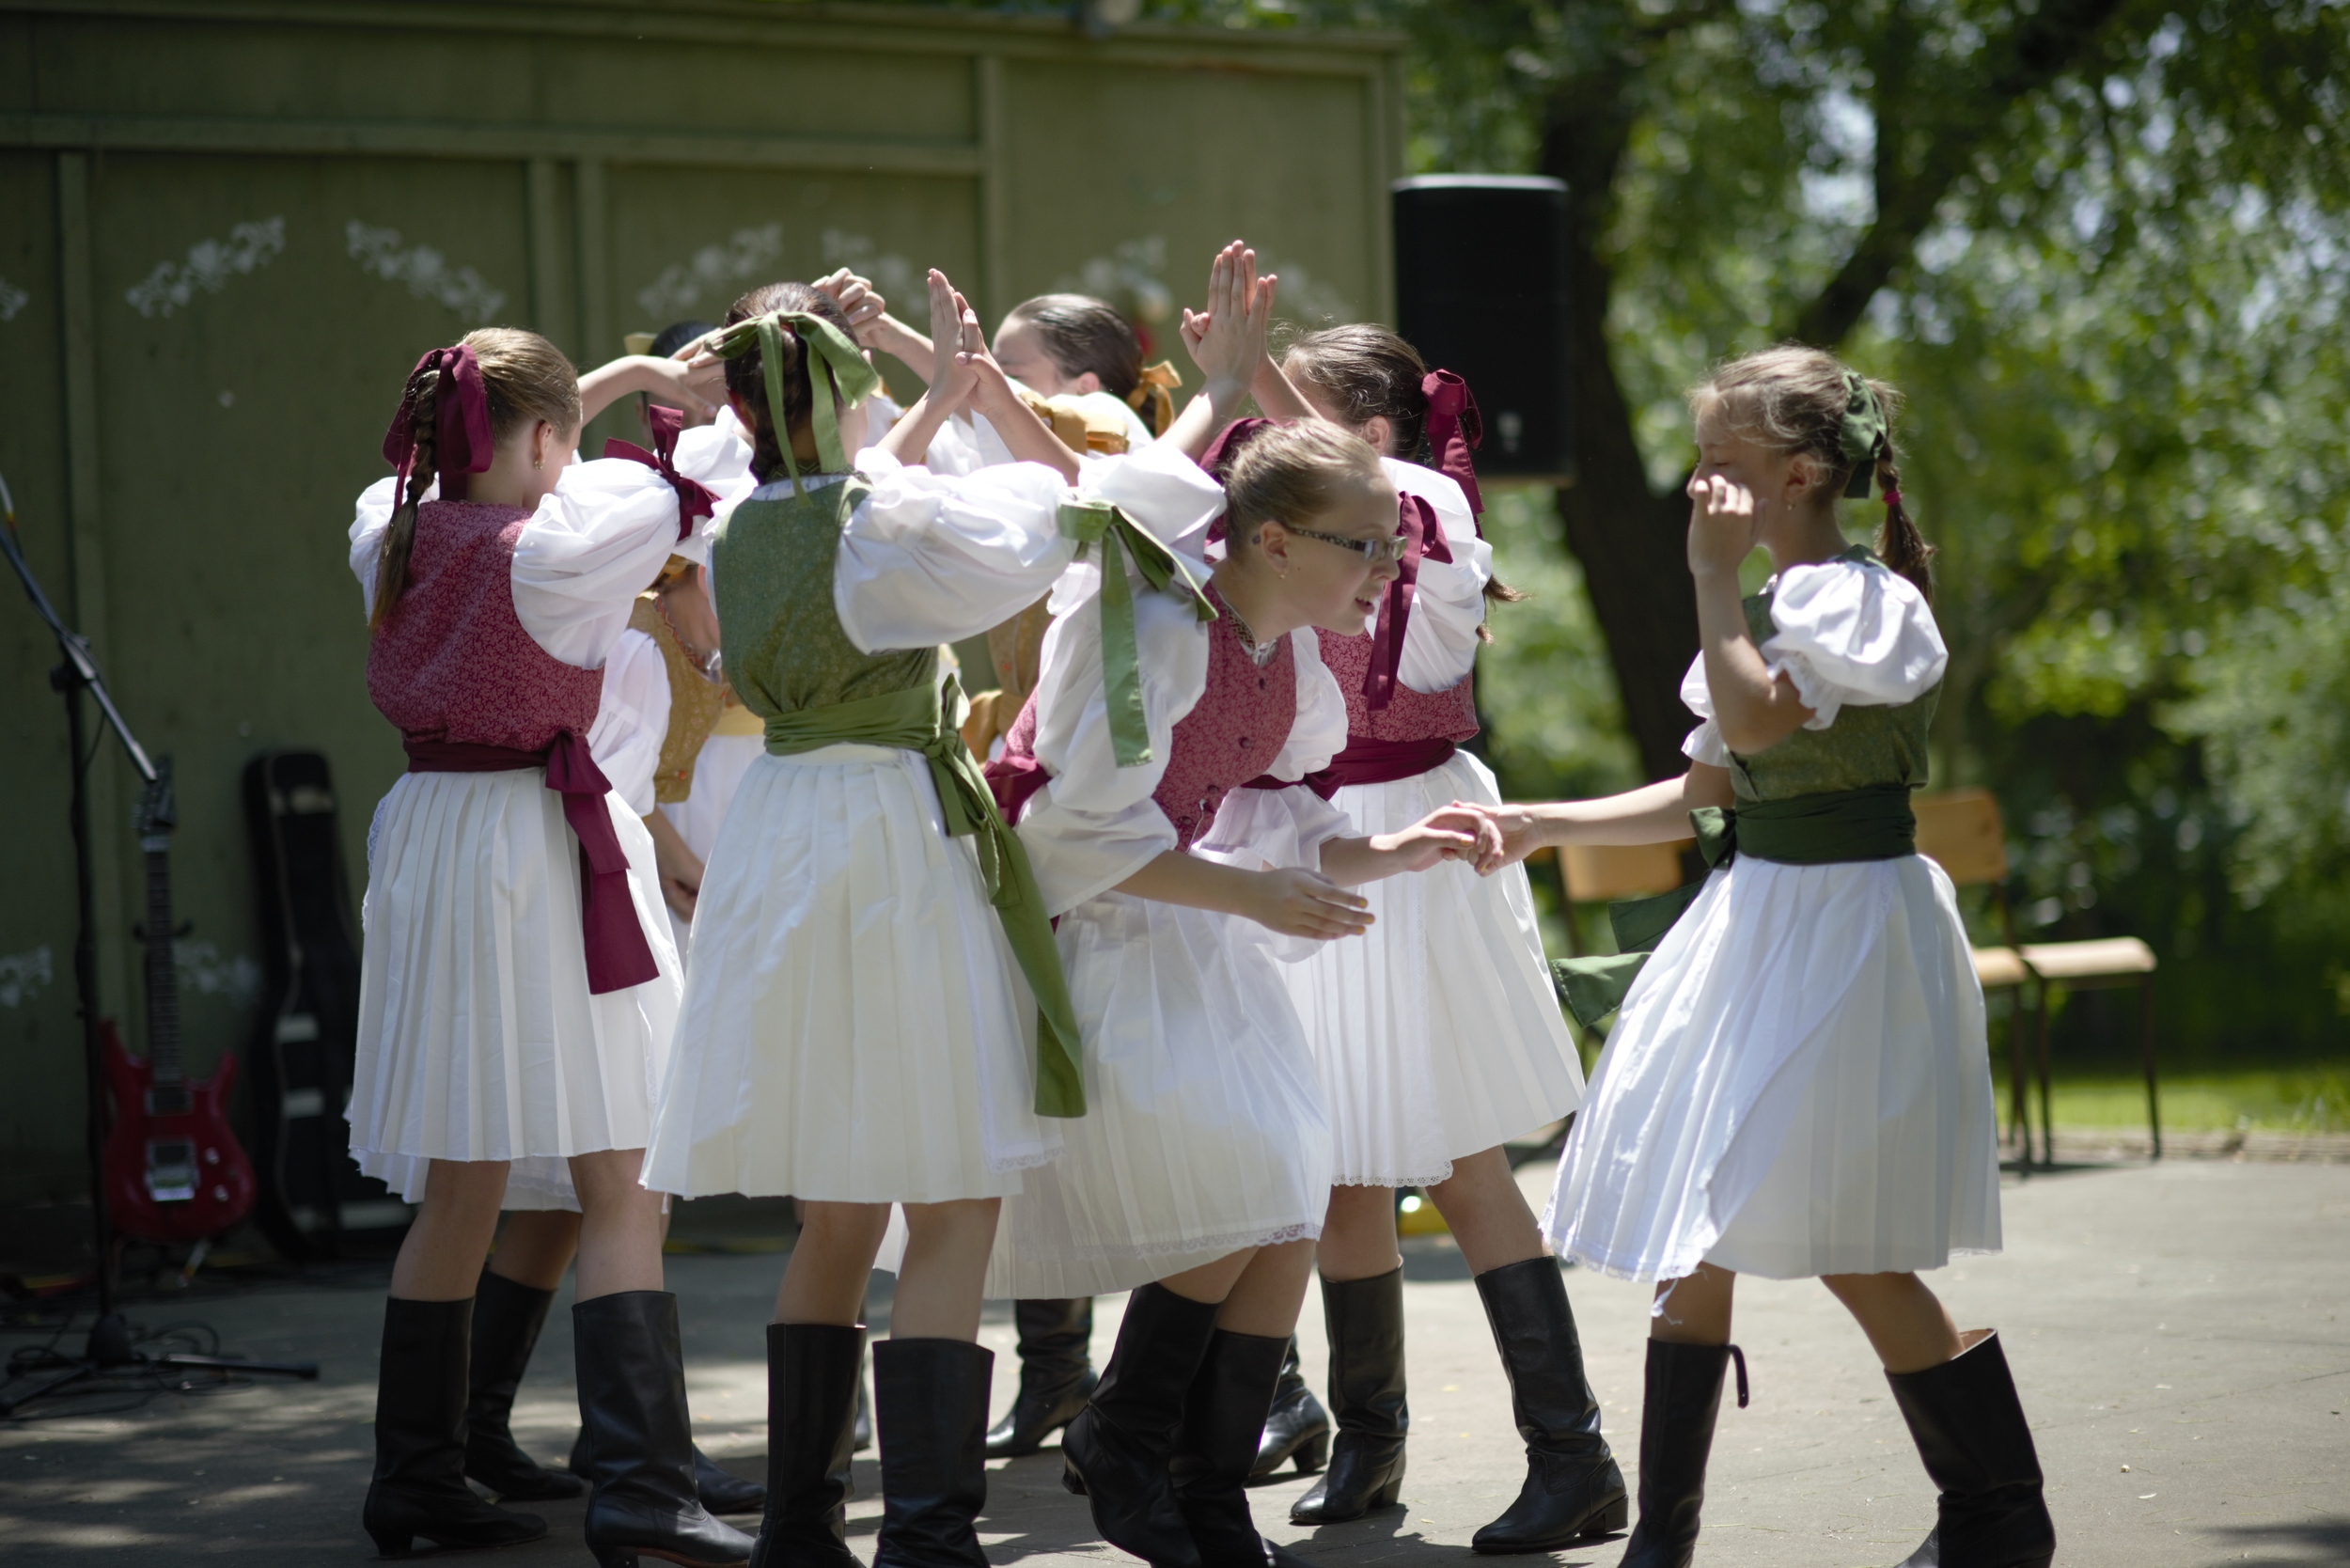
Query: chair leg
{"points": [[2018, 1111], [2048, 1116], [2146, 1049]]}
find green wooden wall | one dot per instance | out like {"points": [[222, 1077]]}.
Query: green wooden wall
{"points": [[228, 227]]}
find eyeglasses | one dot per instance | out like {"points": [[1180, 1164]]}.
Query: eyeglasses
{"points": [[1375, 551]]}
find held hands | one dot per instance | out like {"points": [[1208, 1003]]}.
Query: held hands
{"points": [[1298, 903], [962, 369], [1722, 521], [1460, 831], [1520, 832]]}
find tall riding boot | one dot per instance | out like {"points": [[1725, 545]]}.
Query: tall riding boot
{"points": [[1677, 1411], [419, 1486], [930, 1404], [1056, 1375], [507, 1318], [720, 1490], [1365, 1319], [1224, 1418], [641, 1445], [813, 1369], [1117, 1452], [1297, 1428], [1970, 1431], [1572, 1488]]}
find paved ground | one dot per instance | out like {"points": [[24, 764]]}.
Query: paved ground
{"points": [[2179, 1331]]}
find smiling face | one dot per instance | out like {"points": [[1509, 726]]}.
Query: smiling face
{"points": [[1020, 350], [1326, 584], [1786, 486]]}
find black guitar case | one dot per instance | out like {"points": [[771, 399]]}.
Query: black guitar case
{"points": [[314, 1203]]}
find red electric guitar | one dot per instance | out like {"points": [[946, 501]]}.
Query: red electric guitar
{"points": [[174, 1171]]}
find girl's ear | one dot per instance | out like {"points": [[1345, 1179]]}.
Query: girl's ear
{"points": [[1086, 382], [1379, 430], [1273, 544], [742, 407], [1803, 476]]}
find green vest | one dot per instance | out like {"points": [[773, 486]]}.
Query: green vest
{"points": [[785, 650], [791, 662]]}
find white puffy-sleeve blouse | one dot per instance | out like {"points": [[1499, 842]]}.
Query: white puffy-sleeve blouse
{"points": [[597, 542], [1448, 597], [1848, 632], [1095, 824], [631, 717]]}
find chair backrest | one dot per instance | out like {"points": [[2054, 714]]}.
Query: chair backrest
{"points": [[1960, 828], [1590, 873]]}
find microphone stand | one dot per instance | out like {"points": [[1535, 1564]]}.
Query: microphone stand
{"points": [[110, 1348]]}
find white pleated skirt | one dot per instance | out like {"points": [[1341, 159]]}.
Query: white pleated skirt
{"points": [[478, 1037], [1437, 1033], [718, 770], [855, 1029], [1204, 1131], [1798, 1085]]}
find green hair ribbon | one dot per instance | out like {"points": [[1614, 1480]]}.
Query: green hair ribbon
{"points": [[1092, 523], [1863, 436], [846, 375]]}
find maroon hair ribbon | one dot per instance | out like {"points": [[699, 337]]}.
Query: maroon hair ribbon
{"points": [[1455, 429], [1217, 458], [460, 424], [1423, 539], [694, 498]]}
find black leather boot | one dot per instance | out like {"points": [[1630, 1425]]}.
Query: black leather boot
{"points": [[813, 1369], [641, 1445], [862, 1428], [1970, 1431], [1365, 1319], [1677, 1411], [507, 1318], [1296, 1429], [419, 1486], [722, 1491], [1573, 1487], [1224, 1418], [930, 1407], [1116, 1453], [1056, 1375]]}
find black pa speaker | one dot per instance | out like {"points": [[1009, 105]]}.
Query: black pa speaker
{"points": [[1480, 286]]}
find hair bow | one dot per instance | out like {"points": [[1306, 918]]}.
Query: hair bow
{"points": [[694, 498], [1455, 429], [1862, 435], [1157, 389], [845, 374], [462, 442]]}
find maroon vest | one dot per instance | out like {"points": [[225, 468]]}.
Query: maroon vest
{"points": [[1228, 738], [1232, 735], [1450, 714], [453, 663]]}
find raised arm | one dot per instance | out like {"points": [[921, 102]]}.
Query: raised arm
{"points": [[1755, 708], [1654, 813], [1227, 342]]}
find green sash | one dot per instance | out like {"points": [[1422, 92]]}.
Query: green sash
{"points": [[912, 719], [1092, 523], [1834, 828]]}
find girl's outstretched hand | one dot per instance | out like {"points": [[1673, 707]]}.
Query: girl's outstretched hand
{"points": [[1298, 903], [1722, 520], [1227, 340], [1460, 831], [953, 375], [1518, 831]]}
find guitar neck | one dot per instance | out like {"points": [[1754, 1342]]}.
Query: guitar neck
{"points": [[163, 969]]}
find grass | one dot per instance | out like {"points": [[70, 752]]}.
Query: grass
{"points": [[2294, 1100]]}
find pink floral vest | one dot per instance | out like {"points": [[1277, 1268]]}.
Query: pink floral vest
{"points": [[1450, 714], [1239, 727], [453, 663]]}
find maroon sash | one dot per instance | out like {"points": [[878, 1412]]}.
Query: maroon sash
{"points": [[1365, 762], [618, 953]]}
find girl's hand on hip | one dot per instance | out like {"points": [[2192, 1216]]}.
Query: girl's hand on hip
{"points": [[1298, 903], [1722, 521]]}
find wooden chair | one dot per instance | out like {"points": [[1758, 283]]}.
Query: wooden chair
{"points": [[1961, 829], [1597, 873]]}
